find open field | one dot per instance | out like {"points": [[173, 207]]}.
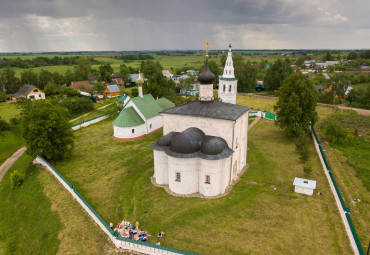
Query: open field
{"points": [[253, 218]]}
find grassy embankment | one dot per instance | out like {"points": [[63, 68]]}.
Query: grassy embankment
{"points": [[252, 218], [12, 140], [350, 163]]}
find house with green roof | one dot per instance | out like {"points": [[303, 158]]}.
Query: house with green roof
{"points": [[140, 117]]}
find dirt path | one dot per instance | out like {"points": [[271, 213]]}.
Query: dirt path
{"points": [[10, 161], [358, 110], [89, 112], [253, 123]]}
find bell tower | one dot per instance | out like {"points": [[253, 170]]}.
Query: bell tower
{"points": [[228, 85]]}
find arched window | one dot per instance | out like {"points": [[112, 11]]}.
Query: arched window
{"points": [[224, 88], [178, 177], [230, 88], [133, 130]]}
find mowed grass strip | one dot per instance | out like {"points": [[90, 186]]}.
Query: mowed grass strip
{"points": [[114, 177], [28, 225]]}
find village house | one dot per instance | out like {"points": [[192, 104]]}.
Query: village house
{"points": [[84, 86], [112, 91], [28, 91], [167, 74]]}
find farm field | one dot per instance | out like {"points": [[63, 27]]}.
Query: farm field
{"points": [[252, 218]]}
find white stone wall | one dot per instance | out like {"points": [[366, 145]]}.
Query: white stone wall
{"points": [[160, 167], [215, 169], [154, 123], [189, 170], [126, 132], [227, 96], [240, 143], [88, 123], [215, 127], [205, 92]]}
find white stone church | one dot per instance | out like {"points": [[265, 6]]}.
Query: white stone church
{"points": [[204, 144], [228, 84]]}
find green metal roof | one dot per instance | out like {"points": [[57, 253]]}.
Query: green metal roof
{"points": [[147, 105], [128, 118], [228, 79], [164, 103]]}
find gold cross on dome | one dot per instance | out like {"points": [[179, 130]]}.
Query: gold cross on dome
{"points": [[207, 44]]}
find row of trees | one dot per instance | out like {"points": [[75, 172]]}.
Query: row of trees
{"points": [[42, 61]]}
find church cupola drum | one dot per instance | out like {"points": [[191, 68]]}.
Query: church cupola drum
{"points": [[228, 84], [206, 78]]}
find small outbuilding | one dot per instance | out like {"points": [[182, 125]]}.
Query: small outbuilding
{"points": [[304, 186], [111, 91]]}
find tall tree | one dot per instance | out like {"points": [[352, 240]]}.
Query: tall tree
{"points": [[44, 77], [46, 130], [341, 83], [328, 56], [124, 73], [105, 72], [69, 76], [98, 88], [296, 105], [8, 80], [29, 77], [82, 69], [156, 81], [276, 74]]}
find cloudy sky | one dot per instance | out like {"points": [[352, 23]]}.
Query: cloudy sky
{"points": [[93, 25]]}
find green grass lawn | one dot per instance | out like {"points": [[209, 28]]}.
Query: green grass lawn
{"points": [[254, 218], [12, 140], [350, 164], [8, 111], [41, 217]]}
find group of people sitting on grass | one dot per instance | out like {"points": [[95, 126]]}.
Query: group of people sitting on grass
{"points": [[127, 230]]}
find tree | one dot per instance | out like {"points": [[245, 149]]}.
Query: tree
{"points": [[8, 80], [352, 55], [156, 83], [29, 77], [223, 58], [105, 72], [134, 92], [98, 88], [352, 95], [46, 130], [69, 77], [44, 77], [276, 74], [2, 96], [328, 56], [82, 69], [246, 73], [124, 73], [340, 84], [365, 98], [50, 88], [296, 105]]}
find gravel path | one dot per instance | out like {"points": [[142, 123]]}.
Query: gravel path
{"points": [[10, 161], [89, 112]]}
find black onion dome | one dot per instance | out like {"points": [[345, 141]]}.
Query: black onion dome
{"points": [[166, 140], [213, 145], [189, 141], [206, 76]]}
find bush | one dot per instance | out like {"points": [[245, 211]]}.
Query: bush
{"points": [[335, 133], [77, 105], [134, 92], [307, 169], [302, 143], [2, 96], [14, 121], [4, 126], [16, 179]]}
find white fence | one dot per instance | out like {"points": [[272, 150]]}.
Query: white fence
{"points": [[89, 122]]}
